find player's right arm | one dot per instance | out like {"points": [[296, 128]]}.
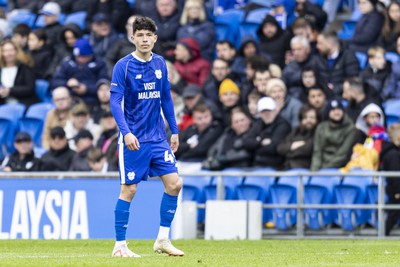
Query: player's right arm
{"points": [[117, 89]]}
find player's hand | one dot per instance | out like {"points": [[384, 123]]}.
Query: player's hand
{"points": [[131, 142], [174, 142]]}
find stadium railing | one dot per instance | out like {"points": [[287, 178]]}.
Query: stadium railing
{"points": [[300, 206]]}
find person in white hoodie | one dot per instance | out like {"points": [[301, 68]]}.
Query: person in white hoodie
{"points": [[371, 115]]}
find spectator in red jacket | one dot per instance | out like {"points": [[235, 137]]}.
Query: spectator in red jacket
{"points": [[189, 63]]}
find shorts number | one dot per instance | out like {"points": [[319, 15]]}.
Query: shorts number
{"points": [[169, 157]]}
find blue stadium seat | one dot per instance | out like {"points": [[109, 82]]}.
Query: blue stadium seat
{"points": [[257, 15], [293, 180], [223, 33], [392, 57], [362, 59], [231, 20], [392, 111], [131, 3], [372, 198], [22, 16], [77, 18], [39, 23], [193, 188], [348, 28], [42, 90], [283, 218], [3, 3], [247, 29], [9, 116], [230, 184]]}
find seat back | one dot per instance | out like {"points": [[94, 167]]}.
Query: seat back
{"points": [[42, 90], [392, 57], [39, 111], [9, 116], [257, 15], [77, 18], [362, 59]]}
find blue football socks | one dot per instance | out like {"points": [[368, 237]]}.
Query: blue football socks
{"points": [[167, 209], [121, 219]]}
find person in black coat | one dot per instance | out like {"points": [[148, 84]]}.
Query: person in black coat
{"points": [[390, 157], [391, 27], [312, 12], [23, 159], [59, 157], [265, 134], [228, 151], [17, 82], [83, 142], [51, 11], [40, 53], [297, 147], [195, 141]]}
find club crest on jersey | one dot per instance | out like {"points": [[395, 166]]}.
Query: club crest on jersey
{"points": [[131, 175], [158, 74]]}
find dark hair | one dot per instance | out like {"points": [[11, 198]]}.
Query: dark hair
{"points": [[356, 83], [144, 23], [22, 29], [223, 60], [307, 69], [257, 63], [331, 35], [95, 154], [200, 108], [306, 108], [240, 110], [40, 34], [231, 46]]}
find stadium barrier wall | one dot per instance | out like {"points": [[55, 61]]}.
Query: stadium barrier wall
{"points": [[81, 205]]}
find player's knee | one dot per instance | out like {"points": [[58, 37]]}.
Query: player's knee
{"points": [[128, 192], [175, 187]]}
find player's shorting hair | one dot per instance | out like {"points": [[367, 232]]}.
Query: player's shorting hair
{"points": [[144, 23]]}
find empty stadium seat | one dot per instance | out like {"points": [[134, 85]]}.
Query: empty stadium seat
{"points": [[392, 57], [193, 187], [77, 18], [247, 29], [372, 198], [348, 28], [392, 111], [42, 90], [21, 16], [230, 184], [362, 59], [283, 218], [229, 22], [257, 15], [9, 116]]}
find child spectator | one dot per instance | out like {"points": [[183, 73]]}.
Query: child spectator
{"points": [[83, 143]]}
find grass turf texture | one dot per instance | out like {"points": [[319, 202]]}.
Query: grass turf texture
{"points": [[204, 253]]}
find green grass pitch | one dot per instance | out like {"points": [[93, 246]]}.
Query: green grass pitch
{"points": [[204, 253]]}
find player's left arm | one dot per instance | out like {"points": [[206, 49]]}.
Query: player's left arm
{"points": [[167, 106]]}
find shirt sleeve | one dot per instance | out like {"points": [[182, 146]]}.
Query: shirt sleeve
{"points": [[118, 83], [116, 110], [167, 104]]}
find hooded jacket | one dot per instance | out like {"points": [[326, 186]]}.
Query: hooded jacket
{"points": [[390, 158], [197, 68], [360, 122]]}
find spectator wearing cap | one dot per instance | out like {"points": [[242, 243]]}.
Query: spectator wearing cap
{"points": [[194, 24], [59, 157], [81, 73], [17, 78], [287, 105], [102, 35], [121, 47], [57, 116], [23, 159], [108, 140], [103, 96], [229, 98], [189, 63], [368, 28], [333, 138], [219, 71], [83, 143], [51, 11], [265, 135], [80, 120], [192, 97]]}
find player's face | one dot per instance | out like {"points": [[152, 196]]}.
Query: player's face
{"points": [[240, 123], [144, 41]]}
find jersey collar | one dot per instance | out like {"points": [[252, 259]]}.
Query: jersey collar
{"points": [[141, 60]]}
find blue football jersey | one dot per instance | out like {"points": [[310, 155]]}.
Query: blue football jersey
{"points": [[145, 88]]}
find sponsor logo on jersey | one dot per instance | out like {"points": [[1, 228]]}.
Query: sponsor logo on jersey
{"points": [[138, 76], [114, 84], [158, 74]]}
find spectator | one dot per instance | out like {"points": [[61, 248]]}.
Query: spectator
{"points": [[219, 71], [189, 64], [287, 106], [297, 147], [265, 134], [167, 20], [391, 27], [80, 120], [260, 81], [20, 34], [354, 92], [98, 161], [392, 88], [40, 53], [195, 141], [334, 63], [368, 28], [302, 59], [117, 10], [108, 141], [274, 41], [229, 97], [371, 115], [316, 98], [312, 12], [51, 11], [57, 116], [195, 25], [309, 78], [102, 35], [228, 150], [121, 47], [83, 143], [59, 157], [81, 73], [390, 156], [17, 76], [252, 101], [376, 73], [333, 138], [225, 50], [302, 27], [175, 80], [23, 159], [255, 66], [103, 95]]}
